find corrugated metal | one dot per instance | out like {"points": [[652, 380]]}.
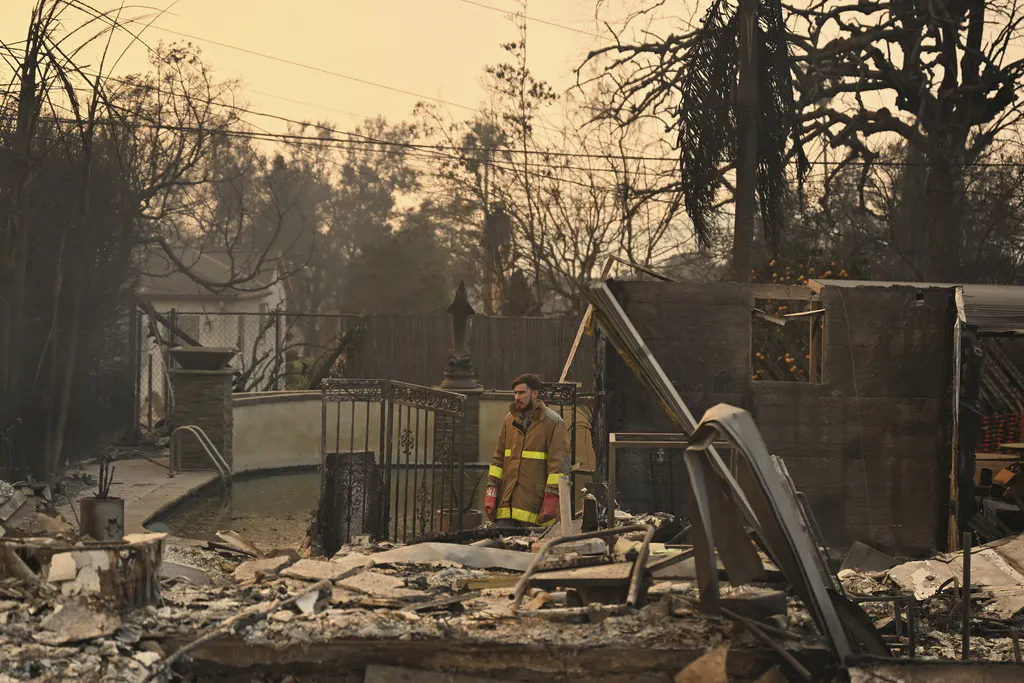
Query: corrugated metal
{"points": [[994, 309]]}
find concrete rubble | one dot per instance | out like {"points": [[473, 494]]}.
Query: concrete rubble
{"points": [[49, 637]]}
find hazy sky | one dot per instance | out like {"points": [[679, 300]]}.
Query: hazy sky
{"points": [[435, 48]]}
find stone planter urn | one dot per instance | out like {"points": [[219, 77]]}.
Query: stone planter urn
{"points": [[102, 518]]}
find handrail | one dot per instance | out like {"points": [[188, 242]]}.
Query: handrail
{"points": [[211, 451]]}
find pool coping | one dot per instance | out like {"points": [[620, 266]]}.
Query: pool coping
{"points": [[199, 487]]}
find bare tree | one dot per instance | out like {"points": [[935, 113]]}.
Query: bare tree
{"points": [[97, 168], [942, 81], [942, 78]]}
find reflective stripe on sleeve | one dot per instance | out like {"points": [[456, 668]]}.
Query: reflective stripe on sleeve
{"points": [[553, 479], [496, 472]]}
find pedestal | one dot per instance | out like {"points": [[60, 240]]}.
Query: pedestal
{"points": [[203, 398]]}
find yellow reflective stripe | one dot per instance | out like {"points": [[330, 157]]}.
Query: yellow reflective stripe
{"points": [[497, 472], [519, 515], [553, 479], [531, 455]]}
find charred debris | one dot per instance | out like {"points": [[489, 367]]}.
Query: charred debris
{"points": [[746, 587]]}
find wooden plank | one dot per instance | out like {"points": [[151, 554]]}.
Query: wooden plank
{"points": [[613, 575]]}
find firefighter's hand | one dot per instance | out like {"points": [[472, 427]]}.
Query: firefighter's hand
{"points": [[548, 509], [491, 502]]}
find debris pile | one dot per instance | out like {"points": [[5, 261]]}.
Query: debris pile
{"points": [[26, 511], [932, 589], [433, 592]]}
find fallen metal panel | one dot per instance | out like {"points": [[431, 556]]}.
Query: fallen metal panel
{"points": [[778, 515]]}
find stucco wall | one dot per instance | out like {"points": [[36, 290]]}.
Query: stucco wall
{"points": [[282, 429]]}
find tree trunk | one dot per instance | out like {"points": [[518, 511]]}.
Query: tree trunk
{"points": [[746, 127], [66, 383], [929, 229]]}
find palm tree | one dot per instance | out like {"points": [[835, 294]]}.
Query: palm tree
{"points": [[736, 109]]}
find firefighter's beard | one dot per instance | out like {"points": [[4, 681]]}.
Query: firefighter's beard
{"points": [[523, 404]]}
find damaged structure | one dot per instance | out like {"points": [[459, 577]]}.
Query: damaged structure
{"points": [[874, 446], [872, 433]]}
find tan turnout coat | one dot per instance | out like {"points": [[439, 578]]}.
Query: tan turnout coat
{"points": [[527, 464]]}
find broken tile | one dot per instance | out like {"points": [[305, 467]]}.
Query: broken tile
{"points": [[864, 558], [375, 584], [468, 556], [98, 559], [147, 659], [87, 581], [76, 622], [248, 570], [62, 568], [283, 616], [307, 602], [316, 570], [194, 575], [922, 577]]}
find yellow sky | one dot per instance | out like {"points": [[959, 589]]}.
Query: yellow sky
{"points": [[436, 48]]}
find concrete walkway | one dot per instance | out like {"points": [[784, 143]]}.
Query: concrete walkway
{"points": [[146, 489]]}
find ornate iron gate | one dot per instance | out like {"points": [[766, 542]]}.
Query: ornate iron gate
{"points": [[394, 461]]}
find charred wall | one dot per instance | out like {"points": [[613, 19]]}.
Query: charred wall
{"points": [[869, 445]]}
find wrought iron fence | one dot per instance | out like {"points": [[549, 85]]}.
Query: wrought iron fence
{"points": [[395, 460]]}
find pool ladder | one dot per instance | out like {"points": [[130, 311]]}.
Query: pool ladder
{"points": [[211, 452]]}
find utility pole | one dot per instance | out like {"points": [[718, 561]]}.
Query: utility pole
{"points": [[746, 147]]}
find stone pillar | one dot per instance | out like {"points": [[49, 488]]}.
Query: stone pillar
{"points": [[203, 398]]}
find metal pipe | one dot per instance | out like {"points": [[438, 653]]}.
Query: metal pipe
{"points": [[912, 628], [966, 597], [639, 567]]}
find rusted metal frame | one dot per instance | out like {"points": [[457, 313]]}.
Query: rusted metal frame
{"points": [[813, 339], [635, 580], [616, 440], [584, 324], [965, 599], [899, 601]]}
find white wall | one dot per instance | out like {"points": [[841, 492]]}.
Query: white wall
{"points": [[282, 429]]}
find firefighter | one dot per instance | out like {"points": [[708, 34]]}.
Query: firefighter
{"points": [[532, 451]]}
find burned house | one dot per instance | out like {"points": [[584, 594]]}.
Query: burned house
{"points": [[869, 429]]}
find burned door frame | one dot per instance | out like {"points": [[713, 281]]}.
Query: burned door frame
{"points": [[419, 431]]}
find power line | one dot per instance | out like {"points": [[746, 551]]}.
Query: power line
{"points": [[533, 19], [317, 69]]}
